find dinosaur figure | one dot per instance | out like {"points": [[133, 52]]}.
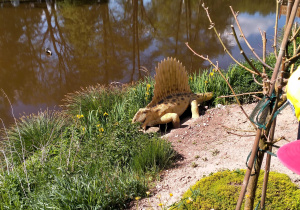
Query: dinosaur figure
{"points": [[172, 96]]}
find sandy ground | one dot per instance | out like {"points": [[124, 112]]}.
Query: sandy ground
{"points": [[207, 146]]}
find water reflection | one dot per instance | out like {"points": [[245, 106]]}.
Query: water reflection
{"points": [[99, 42]]}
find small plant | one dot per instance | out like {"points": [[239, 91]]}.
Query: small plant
{"points": [[215, 152], [194, 165], [221, 190]]}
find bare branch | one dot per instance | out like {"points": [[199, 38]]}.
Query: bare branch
{"points": [[246, 41], [242, 51], [242, 94], [212, 25], [217, 69]]}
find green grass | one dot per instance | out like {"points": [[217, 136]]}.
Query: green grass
{"points": [[221, 191], [90, 155]]}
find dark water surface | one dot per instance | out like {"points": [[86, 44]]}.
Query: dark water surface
{"points": [[105, 41]]}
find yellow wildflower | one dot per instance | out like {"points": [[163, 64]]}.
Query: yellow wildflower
{"points": [[105, 114], [211, 74], [101, 129], [171, 194], [79, 116], [147, 93], [160, 204], [148, 193], [146, 98], [137, 198], [98, 125], [83, 128], [189, 200], [191, 78], [206, 82], [148, 86]]}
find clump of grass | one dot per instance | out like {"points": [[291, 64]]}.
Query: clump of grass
{"points": [[34, 132], [221, 191]]}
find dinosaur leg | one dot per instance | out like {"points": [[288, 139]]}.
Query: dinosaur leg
{"points": [[195, 110], [171, 117]]}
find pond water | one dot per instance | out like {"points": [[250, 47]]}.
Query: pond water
{"points": [[105, 41]]}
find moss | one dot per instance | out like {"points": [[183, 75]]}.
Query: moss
{"points": [[221, 191]]}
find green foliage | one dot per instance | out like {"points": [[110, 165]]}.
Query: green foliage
{"points": [[34, 133], [95, 158], [221, 191]]}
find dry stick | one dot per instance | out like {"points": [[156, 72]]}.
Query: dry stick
{"points": [[242, 94], [267, 167], [243, 53], [246, 41], [276, 28], [217, 68], [295, 33], [225, 49], [294, 46], [274, 76], [228, 128], [288, 11], [248, 172]]}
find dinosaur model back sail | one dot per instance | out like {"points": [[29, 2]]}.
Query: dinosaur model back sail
{"points": [[170, 79], [172, 96]]}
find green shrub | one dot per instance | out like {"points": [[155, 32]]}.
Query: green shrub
{"points": [[221, 191]]}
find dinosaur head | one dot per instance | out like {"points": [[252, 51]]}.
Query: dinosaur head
{"points": [[141, 115]]}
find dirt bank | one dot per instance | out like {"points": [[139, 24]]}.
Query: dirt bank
{"points": [[207, 145]]}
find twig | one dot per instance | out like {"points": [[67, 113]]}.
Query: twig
{"points": [[253, 76], [212, 26], [243, 53], [246, 41], [276, 29], [295, 33], [242, 94], [239, 134], [228, 128], [217, 68]]}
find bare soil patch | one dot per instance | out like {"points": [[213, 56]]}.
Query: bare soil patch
{"points": [[215, 141]]}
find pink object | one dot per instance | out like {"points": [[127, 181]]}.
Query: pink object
{"points": [[289, 155]]}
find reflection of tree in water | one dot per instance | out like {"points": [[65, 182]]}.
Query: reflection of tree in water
{"points": [[99, 43]]}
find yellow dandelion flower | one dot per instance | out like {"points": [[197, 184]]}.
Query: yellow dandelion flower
{"points": [[171, 194], [98, 125], [211, 74], [147, 93], [160, 204], [191, 78], [137, 198], [105, 114], [148, 86], [81, 116], [206, 82], [78, 116], [83, 128], [188, 201], [101, 129]]}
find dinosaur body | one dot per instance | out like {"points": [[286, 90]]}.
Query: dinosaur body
{"points": [[172, 96]]}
